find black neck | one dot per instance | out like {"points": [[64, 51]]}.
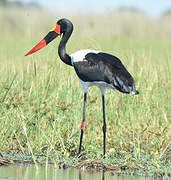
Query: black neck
{"points": [[62, 47]]}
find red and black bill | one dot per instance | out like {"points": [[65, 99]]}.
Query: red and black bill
{"points": [[47, 39]]}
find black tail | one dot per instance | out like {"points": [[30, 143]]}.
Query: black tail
{"points": [[124, 87], [134, 91]]}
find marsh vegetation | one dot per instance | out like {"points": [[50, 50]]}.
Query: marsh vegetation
{"points": [[41, 98]]}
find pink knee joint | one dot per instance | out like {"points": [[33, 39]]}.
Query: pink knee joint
{"points": [[104, 128], [83, 125]]}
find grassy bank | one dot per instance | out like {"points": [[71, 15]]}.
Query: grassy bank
{"points": [[41, 98]]}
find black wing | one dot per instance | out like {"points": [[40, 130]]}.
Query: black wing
{"points": [[107, 68]]}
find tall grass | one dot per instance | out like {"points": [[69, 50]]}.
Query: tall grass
{"points": [[41, 98]]}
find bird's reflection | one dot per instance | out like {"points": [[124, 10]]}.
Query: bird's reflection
{"points": [[103, 175], [81, 173]]}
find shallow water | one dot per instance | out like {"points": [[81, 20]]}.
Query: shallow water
{"points": [[51, 172]]}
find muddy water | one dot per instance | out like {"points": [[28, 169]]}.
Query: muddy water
{"points": [[53, 173]]}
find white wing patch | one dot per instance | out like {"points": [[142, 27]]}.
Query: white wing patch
{"points": [[80, 55]]}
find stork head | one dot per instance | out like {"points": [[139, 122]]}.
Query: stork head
{"points": [[62, 26]]}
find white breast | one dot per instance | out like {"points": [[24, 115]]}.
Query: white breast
{"points": [[101, 84], [80, 55]]}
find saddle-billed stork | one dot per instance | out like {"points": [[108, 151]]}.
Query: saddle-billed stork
{"points": [[92, 67]]}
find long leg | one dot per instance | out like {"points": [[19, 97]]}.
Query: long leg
{"points": [[104, 125], [83, 121]]}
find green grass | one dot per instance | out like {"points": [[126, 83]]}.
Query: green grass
{"points": [[41, 98]]}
